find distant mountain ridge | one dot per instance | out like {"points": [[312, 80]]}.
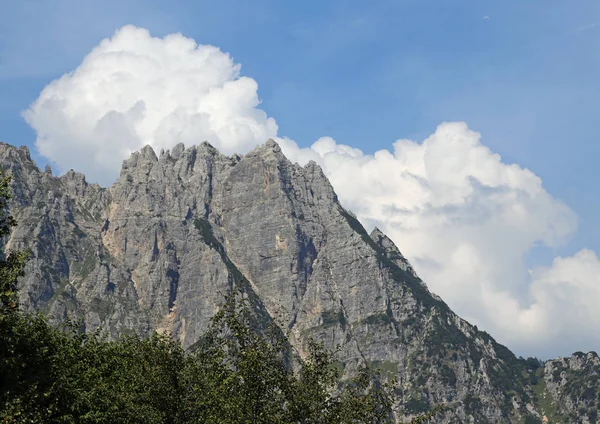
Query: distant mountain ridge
{"points": [[159, 248]]}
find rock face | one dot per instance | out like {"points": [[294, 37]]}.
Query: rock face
{"points": [[569, 388], [160, 248]]}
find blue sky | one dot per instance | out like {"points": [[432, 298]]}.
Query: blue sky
{"points": [[522, 73], [366, 73]]}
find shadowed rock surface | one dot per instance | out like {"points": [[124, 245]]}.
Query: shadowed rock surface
{"points": [[160, 248]]}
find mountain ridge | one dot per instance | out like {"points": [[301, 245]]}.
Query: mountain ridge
{"points": [[156, 250]]}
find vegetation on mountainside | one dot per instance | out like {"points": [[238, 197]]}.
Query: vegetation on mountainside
{"points": [[233, 375], [12, 263], [573, 381]]}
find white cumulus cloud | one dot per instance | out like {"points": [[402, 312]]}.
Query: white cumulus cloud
{"points": [[464, 218], [134, 89]]}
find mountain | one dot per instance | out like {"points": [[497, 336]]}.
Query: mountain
{"points": [[160, 248]]}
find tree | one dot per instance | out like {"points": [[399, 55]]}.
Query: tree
{"points": [[237, 375], [12, 263]]}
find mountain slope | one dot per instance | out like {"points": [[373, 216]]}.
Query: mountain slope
{"points": [[158, 249]]}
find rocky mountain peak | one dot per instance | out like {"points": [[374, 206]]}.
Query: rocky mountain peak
{"points": [[13, 157], [271, 145], [178, 150], [25, 151], [158, 250], [269, 151]]}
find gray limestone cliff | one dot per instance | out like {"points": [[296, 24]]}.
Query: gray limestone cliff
{"points": [[158, 250]]}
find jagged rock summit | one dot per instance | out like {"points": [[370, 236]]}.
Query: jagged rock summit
{"points": [[160, 247]]}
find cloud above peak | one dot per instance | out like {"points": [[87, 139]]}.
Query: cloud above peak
{"points": [[134, 89], [464, 218]]}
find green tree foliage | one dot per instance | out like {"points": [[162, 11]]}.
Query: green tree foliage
{"points": [[235, 374], [59, 375], [252, 380], [12, 263]]}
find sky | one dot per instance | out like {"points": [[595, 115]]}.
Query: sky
{"points": [[465, 129]]}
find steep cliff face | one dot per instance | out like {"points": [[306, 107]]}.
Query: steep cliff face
{"points": [[160, 248]]}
